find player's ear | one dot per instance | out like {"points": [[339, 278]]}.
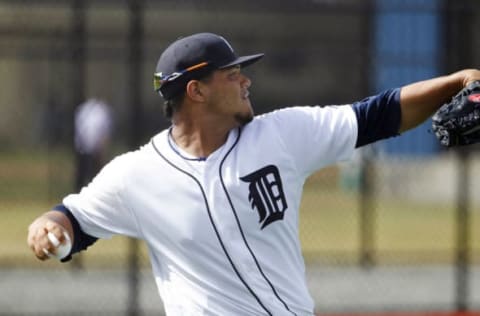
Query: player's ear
{"points": [[195, 91]]}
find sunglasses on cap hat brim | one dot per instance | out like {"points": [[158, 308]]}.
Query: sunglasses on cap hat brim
{"points": [[159, 79]]}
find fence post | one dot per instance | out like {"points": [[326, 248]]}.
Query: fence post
{"points": [[458, 55], [135, 41], [367, 211], [77, 47], [367, 181], [135, 75], [78, 57], [462, 231]]}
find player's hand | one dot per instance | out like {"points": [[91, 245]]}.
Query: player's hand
{"points": [[469, 76], [38, 240]]}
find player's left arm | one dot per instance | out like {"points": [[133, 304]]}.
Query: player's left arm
{"points": [[419, 100]]}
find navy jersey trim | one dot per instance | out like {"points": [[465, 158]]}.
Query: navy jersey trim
{"points": [[214, 226], [81, 240], [241, 230], [378, 117]]}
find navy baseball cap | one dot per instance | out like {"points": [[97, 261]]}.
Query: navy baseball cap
{"points": [[193, 57]]}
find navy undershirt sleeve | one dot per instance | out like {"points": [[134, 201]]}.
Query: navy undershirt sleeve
{"points": [[81, 240], [378, 117]]}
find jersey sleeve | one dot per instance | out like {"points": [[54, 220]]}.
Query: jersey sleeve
{"points": [[378, 117], [317, 136], [99, 208]]}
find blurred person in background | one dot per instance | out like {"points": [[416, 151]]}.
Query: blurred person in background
{"points": [[93, 129]]}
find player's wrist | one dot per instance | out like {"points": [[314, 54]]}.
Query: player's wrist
{"points": [[468, 76]]}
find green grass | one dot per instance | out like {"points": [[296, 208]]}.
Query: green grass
{"points": [[36, 176], [405, 231]]}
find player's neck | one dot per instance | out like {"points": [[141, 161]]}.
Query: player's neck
{"points": [[200, 138]]}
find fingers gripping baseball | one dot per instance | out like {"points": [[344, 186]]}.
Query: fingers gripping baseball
{"points": [[47, 238]]}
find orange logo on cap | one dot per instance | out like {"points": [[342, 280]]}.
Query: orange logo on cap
{"points": [[474, 98]]}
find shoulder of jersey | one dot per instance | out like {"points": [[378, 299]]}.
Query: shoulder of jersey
{"points": [[127, 160], [279, 115]]}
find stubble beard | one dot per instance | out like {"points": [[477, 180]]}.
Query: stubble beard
{"points": [[243, 118]]}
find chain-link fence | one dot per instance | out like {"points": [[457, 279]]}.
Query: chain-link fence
{"points": [[395, 229]]}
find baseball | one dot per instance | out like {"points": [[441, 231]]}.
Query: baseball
{"points": [[61, 249]]}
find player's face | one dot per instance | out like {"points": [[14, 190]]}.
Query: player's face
{"points": [[229, 95]]}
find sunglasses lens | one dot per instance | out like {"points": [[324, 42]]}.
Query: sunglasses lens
{"points": [[157, 82]]}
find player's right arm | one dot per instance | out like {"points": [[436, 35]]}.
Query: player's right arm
{"points": [[99, 210]]}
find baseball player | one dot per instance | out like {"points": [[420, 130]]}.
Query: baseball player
{"points": [[216, 195]]}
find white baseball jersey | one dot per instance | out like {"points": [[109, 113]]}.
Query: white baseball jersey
{"points": [[222, 232]]}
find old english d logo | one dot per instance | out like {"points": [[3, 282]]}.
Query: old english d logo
{"points": [[266, 194]]}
